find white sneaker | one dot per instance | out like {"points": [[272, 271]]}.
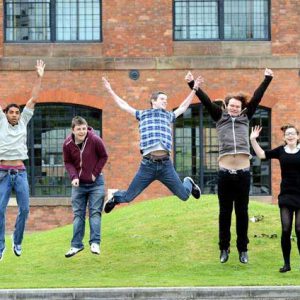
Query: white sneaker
{"points": [[95, 248], [2, 254], [17, 249], [73, 251]]}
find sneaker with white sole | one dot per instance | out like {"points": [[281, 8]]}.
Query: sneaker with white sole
{"points": [[95, 248], [17, 249], [196, 191], [73, 251], [2, 254]]}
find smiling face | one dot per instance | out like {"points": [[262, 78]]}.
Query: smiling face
{"points": [[291, 136], [234, 107], [13, 115], [80, 132], [160, 102]]}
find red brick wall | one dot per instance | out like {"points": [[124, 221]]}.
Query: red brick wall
{"points": [[41, 217], [143, 29], [285, 27]]}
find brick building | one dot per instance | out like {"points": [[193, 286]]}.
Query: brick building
{"points": [[144, 46]]}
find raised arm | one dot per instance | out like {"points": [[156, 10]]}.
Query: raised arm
{"points": [[119, 101], [186, 103], [214, 110], [40, 67], [255, 131], [259, 92]]}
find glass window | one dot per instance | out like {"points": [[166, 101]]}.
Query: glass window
{"points": [[49, 20], [196, 150], [221, 20], [49, 127]]}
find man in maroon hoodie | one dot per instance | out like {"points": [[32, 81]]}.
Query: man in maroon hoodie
{"points": [[85, 156]]}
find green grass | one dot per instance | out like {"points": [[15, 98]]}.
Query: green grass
{"points": [[162, 242]]}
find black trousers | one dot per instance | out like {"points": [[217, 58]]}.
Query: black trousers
{"points": [[233, 189]]}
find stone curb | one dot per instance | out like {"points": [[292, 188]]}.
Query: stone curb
{"points": [[171, 293]]}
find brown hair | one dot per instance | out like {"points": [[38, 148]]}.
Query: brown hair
{"points": [[6, 109], [77, 121], [155, 95], [238, 96], [284, 128]]}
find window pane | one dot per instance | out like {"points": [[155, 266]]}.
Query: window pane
{"points": [[78, 20], [47, 131], [27, 20], [196, 20], [246, 20]]}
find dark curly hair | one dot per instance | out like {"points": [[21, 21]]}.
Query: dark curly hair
{"points": [[238, 96]]}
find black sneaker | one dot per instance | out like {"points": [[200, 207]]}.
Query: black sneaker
{"points": [[109, 205], [196, 191]]}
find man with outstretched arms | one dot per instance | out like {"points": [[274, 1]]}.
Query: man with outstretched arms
{"points": [[13, 151]]}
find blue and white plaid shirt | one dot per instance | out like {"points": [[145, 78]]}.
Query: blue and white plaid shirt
{"points": [[155, 128]]}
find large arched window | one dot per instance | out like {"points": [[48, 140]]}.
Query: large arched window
{"points": [[47, 131], [196, 150]]}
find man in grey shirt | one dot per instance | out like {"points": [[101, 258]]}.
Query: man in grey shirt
{"points": [[13, 151]]}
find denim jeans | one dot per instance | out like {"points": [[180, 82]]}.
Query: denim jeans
{"points": [[148, 172], [19, 183], [233, 189], [93, 195]]}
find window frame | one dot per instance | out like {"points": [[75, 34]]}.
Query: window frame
{"points": [[220, 25], [53, 29]]}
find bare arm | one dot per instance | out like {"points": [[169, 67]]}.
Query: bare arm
{"points": [[119, 101], [40, 66], [186, 103], [256, 147]]}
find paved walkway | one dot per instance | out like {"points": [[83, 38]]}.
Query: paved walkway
{"points": [[184, 293]]}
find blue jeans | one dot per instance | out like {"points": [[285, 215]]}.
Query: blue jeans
{"points": [[148, 172], [19, 183], [92, 194]]}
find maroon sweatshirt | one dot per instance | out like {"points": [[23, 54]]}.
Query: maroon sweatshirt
{"points": [[87, 161]]}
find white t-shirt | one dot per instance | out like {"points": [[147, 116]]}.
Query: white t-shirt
{"points": [[13, 138]]}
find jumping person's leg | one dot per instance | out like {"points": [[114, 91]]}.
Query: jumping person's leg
{"points": [[144, 176], [5, 190], [20, 183]]}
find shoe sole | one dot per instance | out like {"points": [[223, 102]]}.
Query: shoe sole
{"points": [[194, 185], [96, 253], [68, 256]]}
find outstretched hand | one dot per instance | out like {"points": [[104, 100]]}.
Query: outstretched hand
{"points": [[40, 67], [269, 72], [255, 131], [199, 80], [189, 77], [106, 84]]}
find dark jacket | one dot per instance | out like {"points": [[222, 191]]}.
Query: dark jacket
{"points": [[87, 161], [233, 132]]}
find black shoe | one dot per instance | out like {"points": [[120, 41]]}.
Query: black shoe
{"points": [[285, 268], [243, 257], [109, 205], [224, 255], [196, 191]]}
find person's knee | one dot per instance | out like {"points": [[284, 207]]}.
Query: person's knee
{"points": [[24, 211]]}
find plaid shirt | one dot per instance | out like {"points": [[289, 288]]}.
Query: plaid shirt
{"points": [[155, 128]]}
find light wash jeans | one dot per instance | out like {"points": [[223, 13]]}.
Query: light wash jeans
{"points": [[148, 172], [93, 195], [19, 183]]}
